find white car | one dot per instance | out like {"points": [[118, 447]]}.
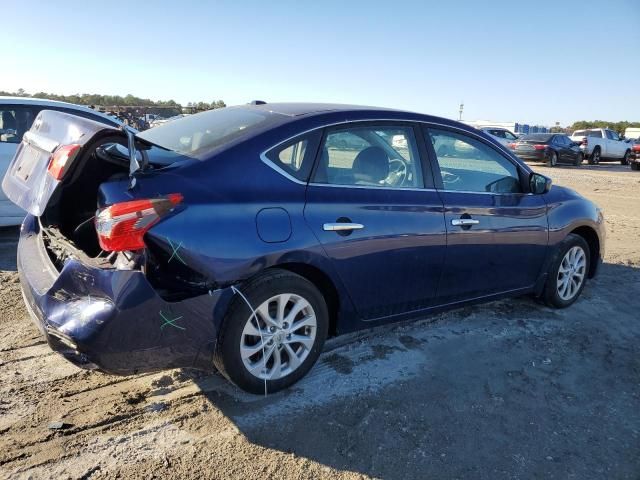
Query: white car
{"points": [[16, 117], [502, 135], [602, 144]]}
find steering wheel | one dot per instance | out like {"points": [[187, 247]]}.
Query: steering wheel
{"points": [[449, 178], [397, 172]]}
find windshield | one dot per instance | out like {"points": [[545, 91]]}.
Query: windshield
{"points": [[196, 135]]}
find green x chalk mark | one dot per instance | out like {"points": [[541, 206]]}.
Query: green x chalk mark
{"points": [[175, 253], [171, 322]]}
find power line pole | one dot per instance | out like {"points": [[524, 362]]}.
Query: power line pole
{"points": [[461, 110]]}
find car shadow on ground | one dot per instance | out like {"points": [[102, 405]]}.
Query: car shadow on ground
{"points": [[506, 389], [608, 166]]}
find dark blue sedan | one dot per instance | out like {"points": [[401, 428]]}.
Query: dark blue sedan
{"points": [[241, 238]]}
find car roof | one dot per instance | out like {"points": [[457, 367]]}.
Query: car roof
{"points": [[293, 109], [41, 102]]}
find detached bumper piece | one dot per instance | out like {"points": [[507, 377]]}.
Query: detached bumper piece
{"points": [[114, 320]]}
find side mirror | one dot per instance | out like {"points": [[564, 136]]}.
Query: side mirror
{"points": [[539, 184]]}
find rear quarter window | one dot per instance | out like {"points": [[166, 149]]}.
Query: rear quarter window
{"points": [[295, 157]]}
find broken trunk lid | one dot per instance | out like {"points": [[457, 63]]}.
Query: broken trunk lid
{"points": [[27, 182]]}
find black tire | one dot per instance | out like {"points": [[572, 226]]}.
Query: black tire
{"points": [[550, 295], [553, 159], [579, 159], [594, 158], [227, 358], [635, 166], [625, 159]]}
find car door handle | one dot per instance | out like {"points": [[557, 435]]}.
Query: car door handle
{"points": [[341, 227], [464, 222]]}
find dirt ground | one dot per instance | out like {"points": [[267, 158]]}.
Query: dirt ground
{"points": [[509, 389]]}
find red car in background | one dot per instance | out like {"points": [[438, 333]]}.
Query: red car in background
{"points": [[634, 160]]}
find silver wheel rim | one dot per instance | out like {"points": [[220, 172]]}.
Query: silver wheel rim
{"points": [[278, 339], [554, 159], [571, 273]]}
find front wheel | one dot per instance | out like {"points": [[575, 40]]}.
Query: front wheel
{"points": [[594, 159], [579, 159], [273, 344], [625, 159], [567, 273]]}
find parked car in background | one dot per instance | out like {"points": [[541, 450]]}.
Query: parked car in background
{"points": [[16, 117], [600, 144], [634, 159], [242, 237], [551, 148], [502, 135]]}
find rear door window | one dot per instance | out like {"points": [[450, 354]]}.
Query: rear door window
{"points": [[370, 156]]}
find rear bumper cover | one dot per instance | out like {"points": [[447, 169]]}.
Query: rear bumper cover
{"points": [[532, 155], [114, 320]]}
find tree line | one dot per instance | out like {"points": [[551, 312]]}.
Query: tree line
{"points": [[118, 101]]}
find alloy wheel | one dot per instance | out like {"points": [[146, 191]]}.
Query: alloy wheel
{"points": [[279, 337], [571, 273]]}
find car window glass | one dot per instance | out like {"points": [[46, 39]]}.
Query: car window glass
{"points": [[509, 136], [466, 164], [14, 122], [292, 155], [376, 156], [595, 134], [613, 135], [296, 156]]}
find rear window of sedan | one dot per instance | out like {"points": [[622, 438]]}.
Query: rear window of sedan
{"points": [[537, 137], [196, 135]]}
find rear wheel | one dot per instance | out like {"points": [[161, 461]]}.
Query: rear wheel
{"points": [[553, 159], [275, 345], [567, 273], [635, 166], [594, 159], [579, 159], [625, 159]]}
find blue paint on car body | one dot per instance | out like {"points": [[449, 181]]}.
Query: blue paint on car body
{"points": [[406, 262]]}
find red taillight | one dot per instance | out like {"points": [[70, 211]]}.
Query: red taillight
{"points": [[122, 226], [512, 145], [540, 147], [585, 141], [61, 159]]}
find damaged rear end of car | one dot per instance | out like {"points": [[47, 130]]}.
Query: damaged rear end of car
{"points": [[106, 291]]}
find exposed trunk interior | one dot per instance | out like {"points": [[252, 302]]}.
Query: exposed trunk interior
{"points": [[68, 219]]}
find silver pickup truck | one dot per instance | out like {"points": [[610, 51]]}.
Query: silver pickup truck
{"points": [[599, 144]]}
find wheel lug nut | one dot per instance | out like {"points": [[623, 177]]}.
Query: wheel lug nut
{"points": [[272, 329], [270, 342], [288, 336], [285, 325]]}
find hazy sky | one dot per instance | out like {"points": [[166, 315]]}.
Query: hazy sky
{"points": [[508, 61]]}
